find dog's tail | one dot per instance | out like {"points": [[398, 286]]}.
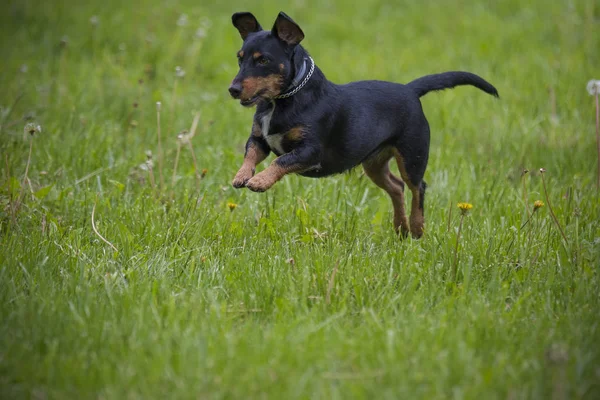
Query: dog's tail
{"points": [[448, 80]]}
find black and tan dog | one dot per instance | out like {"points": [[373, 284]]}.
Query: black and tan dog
{"points": [[317, 128]]}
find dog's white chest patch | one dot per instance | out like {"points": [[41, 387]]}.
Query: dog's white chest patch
{"points": [[274, 140]]}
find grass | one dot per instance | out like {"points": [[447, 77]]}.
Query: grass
{"points": [[302, 291]]}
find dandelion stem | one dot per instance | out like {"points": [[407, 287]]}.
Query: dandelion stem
{"points": [[26, 178], [598, 138], [449, 215], [151, 176], [175, 169], [190, 137], [523, 177], [195, 165], [160, 152], [553, 102], [96, 230], [455, 266], [552, 211], [331, 283]]}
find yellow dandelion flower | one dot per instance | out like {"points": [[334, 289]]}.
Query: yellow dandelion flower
{"points": [[231, 206], [465, 207], [538, 204]]}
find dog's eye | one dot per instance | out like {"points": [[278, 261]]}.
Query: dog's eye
{"points": [[262, 61]]}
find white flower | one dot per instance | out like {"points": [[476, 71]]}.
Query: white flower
{"points": [[94, 20], [32, 128], [179, 72], [593, 87], [183, 138], [182, 20], [200, 33], [24, 68], [158, 104]]}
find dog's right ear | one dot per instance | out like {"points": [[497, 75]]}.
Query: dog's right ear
{"points": [[245, 23]]}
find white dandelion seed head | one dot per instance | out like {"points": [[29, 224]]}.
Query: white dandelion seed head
{"points": [[158, 105], [182, 20], [32, 128], [200, 33], [179, 72], [149, 154], [94, 20], [593, 87], [183, 138], [24, 68]]}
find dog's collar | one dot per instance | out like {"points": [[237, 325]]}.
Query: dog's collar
{"points": [[296, 84]]}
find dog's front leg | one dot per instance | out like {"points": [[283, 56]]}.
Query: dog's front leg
{"points": [[256, 151], [301, 159]]}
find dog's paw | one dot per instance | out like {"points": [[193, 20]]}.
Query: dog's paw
{"points": [[260, 183], [242, 178]]}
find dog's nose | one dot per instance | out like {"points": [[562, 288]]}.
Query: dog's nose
{"points": [[235, 90]]}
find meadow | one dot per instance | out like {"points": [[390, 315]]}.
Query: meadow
{"points": [[133, 270]]}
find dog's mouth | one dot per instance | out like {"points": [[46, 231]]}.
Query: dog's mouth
{"points": [[253, 100]]}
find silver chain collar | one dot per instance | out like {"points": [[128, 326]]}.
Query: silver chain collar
{"points": [[304, 82]]}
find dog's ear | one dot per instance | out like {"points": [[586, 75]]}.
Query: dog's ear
{"points": [[245, 23], [287, 30]]}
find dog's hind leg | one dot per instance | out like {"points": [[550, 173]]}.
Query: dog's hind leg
{"points": [[412, 173], [378, 170]]}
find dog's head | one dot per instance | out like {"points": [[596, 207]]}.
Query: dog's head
{"points": [[265, 59]]}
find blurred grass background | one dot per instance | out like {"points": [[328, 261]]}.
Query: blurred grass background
{"points": [[303, 291]]}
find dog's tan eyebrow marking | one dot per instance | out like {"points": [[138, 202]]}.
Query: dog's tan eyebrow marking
{"points": [[256, 55], [240, 53]]}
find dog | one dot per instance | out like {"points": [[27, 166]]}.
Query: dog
{"points": [[318, 128]]}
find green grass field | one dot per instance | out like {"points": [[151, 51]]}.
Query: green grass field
{"points": [[303, 291]]}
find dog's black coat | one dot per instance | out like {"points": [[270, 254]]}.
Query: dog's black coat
{"points": [[343, 125]]}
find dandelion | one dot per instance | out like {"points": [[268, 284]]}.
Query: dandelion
{"points": [[24, 68], [536, 206], [179, 72], [94, 20], [32, 128], [231, 206], [465, 207], [593, 88], [464, 211]]}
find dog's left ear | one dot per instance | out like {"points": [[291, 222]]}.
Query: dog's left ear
{"points": [[287, 30], [245, 23]]}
